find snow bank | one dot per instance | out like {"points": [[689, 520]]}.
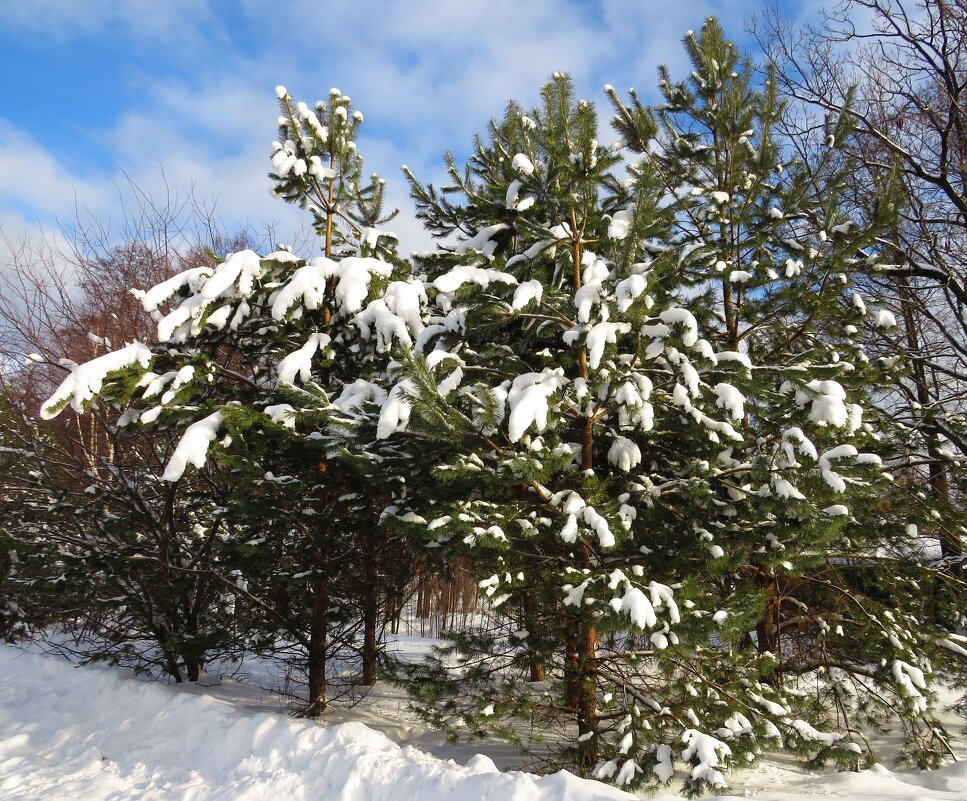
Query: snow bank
{"points": [[88, 733], [69, 733]]}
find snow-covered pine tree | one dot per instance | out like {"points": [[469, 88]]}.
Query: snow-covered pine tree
{"points": [[92, 536], [645, 395], [778, 260], [539, 367], [92, 524], [255, 363], [927, 439], [317, 167]]}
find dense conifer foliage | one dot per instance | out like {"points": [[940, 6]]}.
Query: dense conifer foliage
{"points": [[652, 356]]}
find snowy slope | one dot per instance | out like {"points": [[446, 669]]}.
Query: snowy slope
{"points": [[89, 733]]}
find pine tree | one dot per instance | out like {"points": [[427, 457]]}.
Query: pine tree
{"points": [[258, 362], [844, 562], [645, 397], [91, 525]]}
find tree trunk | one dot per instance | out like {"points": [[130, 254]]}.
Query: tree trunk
{"points": [[6, 563], [764, 634], [168, 655], [587, 686], [172, 669], [582, 685], [572, 673], [193, 668], [318, 645], [193, 660], [938, 480], [530, 624], [767, 630], [587, 701], [370, 613], [537, 672]]}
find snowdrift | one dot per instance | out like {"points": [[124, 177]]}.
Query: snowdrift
{"points": [[88, 733]]}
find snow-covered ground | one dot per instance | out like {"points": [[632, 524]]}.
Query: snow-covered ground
{"points": [[93, 734]]}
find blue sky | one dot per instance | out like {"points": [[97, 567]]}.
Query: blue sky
{"points": [[179, 94]]}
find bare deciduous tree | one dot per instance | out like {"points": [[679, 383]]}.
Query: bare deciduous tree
{"points": [[898, 70]]}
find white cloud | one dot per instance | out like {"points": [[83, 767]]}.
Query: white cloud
{"points": [[427, 75], [36, 183], [26, 241], [62, 20]]}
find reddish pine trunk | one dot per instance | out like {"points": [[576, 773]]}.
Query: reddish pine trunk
{"points": [[572, 673], [531, 624], [587, 701], [587, 687]]}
